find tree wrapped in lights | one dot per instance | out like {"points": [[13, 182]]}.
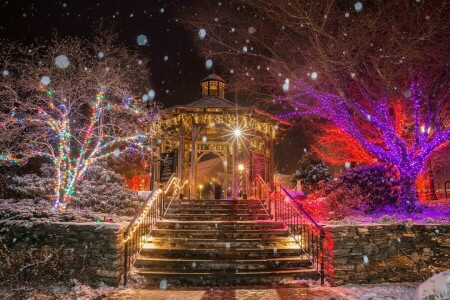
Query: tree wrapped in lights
{"points": [[345, 62], [72, 101]]}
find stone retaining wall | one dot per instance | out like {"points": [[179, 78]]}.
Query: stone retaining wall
{"points": [[386, 253], [91, 252]]}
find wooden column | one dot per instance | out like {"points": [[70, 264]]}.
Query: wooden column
{"points": [[180, 153], [234, 188], [192, 176], [271, 166]]}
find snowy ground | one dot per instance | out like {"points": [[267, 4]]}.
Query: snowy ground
{"points": [[434, 212], [297, 291]]}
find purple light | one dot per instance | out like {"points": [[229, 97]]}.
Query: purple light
{"points": [[408, 159]]}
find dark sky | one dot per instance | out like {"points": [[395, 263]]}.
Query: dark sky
{"points": [[176, 79]]}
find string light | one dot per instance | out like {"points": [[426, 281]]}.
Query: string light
{"points": [[409, 158], [71, 162]]}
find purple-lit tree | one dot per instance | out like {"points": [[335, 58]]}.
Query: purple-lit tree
{"points": [[347, 62], [73, 102]]}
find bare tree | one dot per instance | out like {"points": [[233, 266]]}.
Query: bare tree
{"points": [[343, 61], [72, 101]]}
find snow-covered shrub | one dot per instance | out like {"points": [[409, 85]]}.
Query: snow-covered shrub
{"points": [[103, 190], [34, 185], [367, 189], [100, 190], [312, 171]]}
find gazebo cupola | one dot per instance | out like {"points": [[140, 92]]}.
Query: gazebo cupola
{"points": [[213, 85]]}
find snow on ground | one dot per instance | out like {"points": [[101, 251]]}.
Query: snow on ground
{"points": [[296, 289], [434, 212]]}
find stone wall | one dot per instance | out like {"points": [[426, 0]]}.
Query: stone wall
{"points": [[90, 252], [386, 253]]}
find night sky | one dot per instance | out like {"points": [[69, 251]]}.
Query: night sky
{"points": [[176, 66]]}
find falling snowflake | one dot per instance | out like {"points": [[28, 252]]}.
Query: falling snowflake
{"points": [[347, 15], [201, 33], [365, 259], [101, 55], [45, 80], [163, 284], [208, 64], [314, 75], [142, 40], [251, 30], [286, 85], [166, 58], [5, 73], [151, 94], [358, 6], [145, 98], [244, 49], [62, 61], [204, 139]]}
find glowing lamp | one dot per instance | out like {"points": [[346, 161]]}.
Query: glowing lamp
{"points": [[237, 132], [241, 167]]}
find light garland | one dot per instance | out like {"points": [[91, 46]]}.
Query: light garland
{"points": [[409, 159], [72, 163]]}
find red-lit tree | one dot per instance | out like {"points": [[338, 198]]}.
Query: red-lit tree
{"points": [[73, 102], [346, 62]]}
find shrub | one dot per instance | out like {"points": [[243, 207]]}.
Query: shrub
{"points": [[101, 190], [312, 171], [367, 189]]}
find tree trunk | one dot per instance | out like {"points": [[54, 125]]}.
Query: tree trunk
{"points": [[408, 194]]}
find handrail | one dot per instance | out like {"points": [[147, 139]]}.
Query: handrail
{"points": [[259, 179], [143, 222], [302, 209], [307, 233]]}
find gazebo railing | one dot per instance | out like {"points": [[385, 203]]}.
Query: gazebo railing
{"points": [[144, 220]]}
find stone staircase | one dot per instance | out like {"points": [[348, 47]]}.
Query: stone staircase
{"points": [[218, 242]]}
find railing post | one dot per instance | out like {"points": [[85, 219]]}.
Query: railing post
{"points": [[322, 258], [125, 265]]}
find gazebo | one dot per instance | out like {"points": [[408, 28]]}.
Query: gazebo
{"points": [[215, 142]]}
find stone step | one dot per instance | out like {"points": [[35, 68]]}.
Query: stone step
{"points": [[212, 217], [213, 278], [186, 264], [217, 203], [220, 225], [220, 253], [197, 243], [214, 211], [220, 234]]}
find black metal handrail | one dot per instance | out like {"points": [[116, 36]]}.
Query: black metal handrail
{"points": [[309, 235], [143, 222]]}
